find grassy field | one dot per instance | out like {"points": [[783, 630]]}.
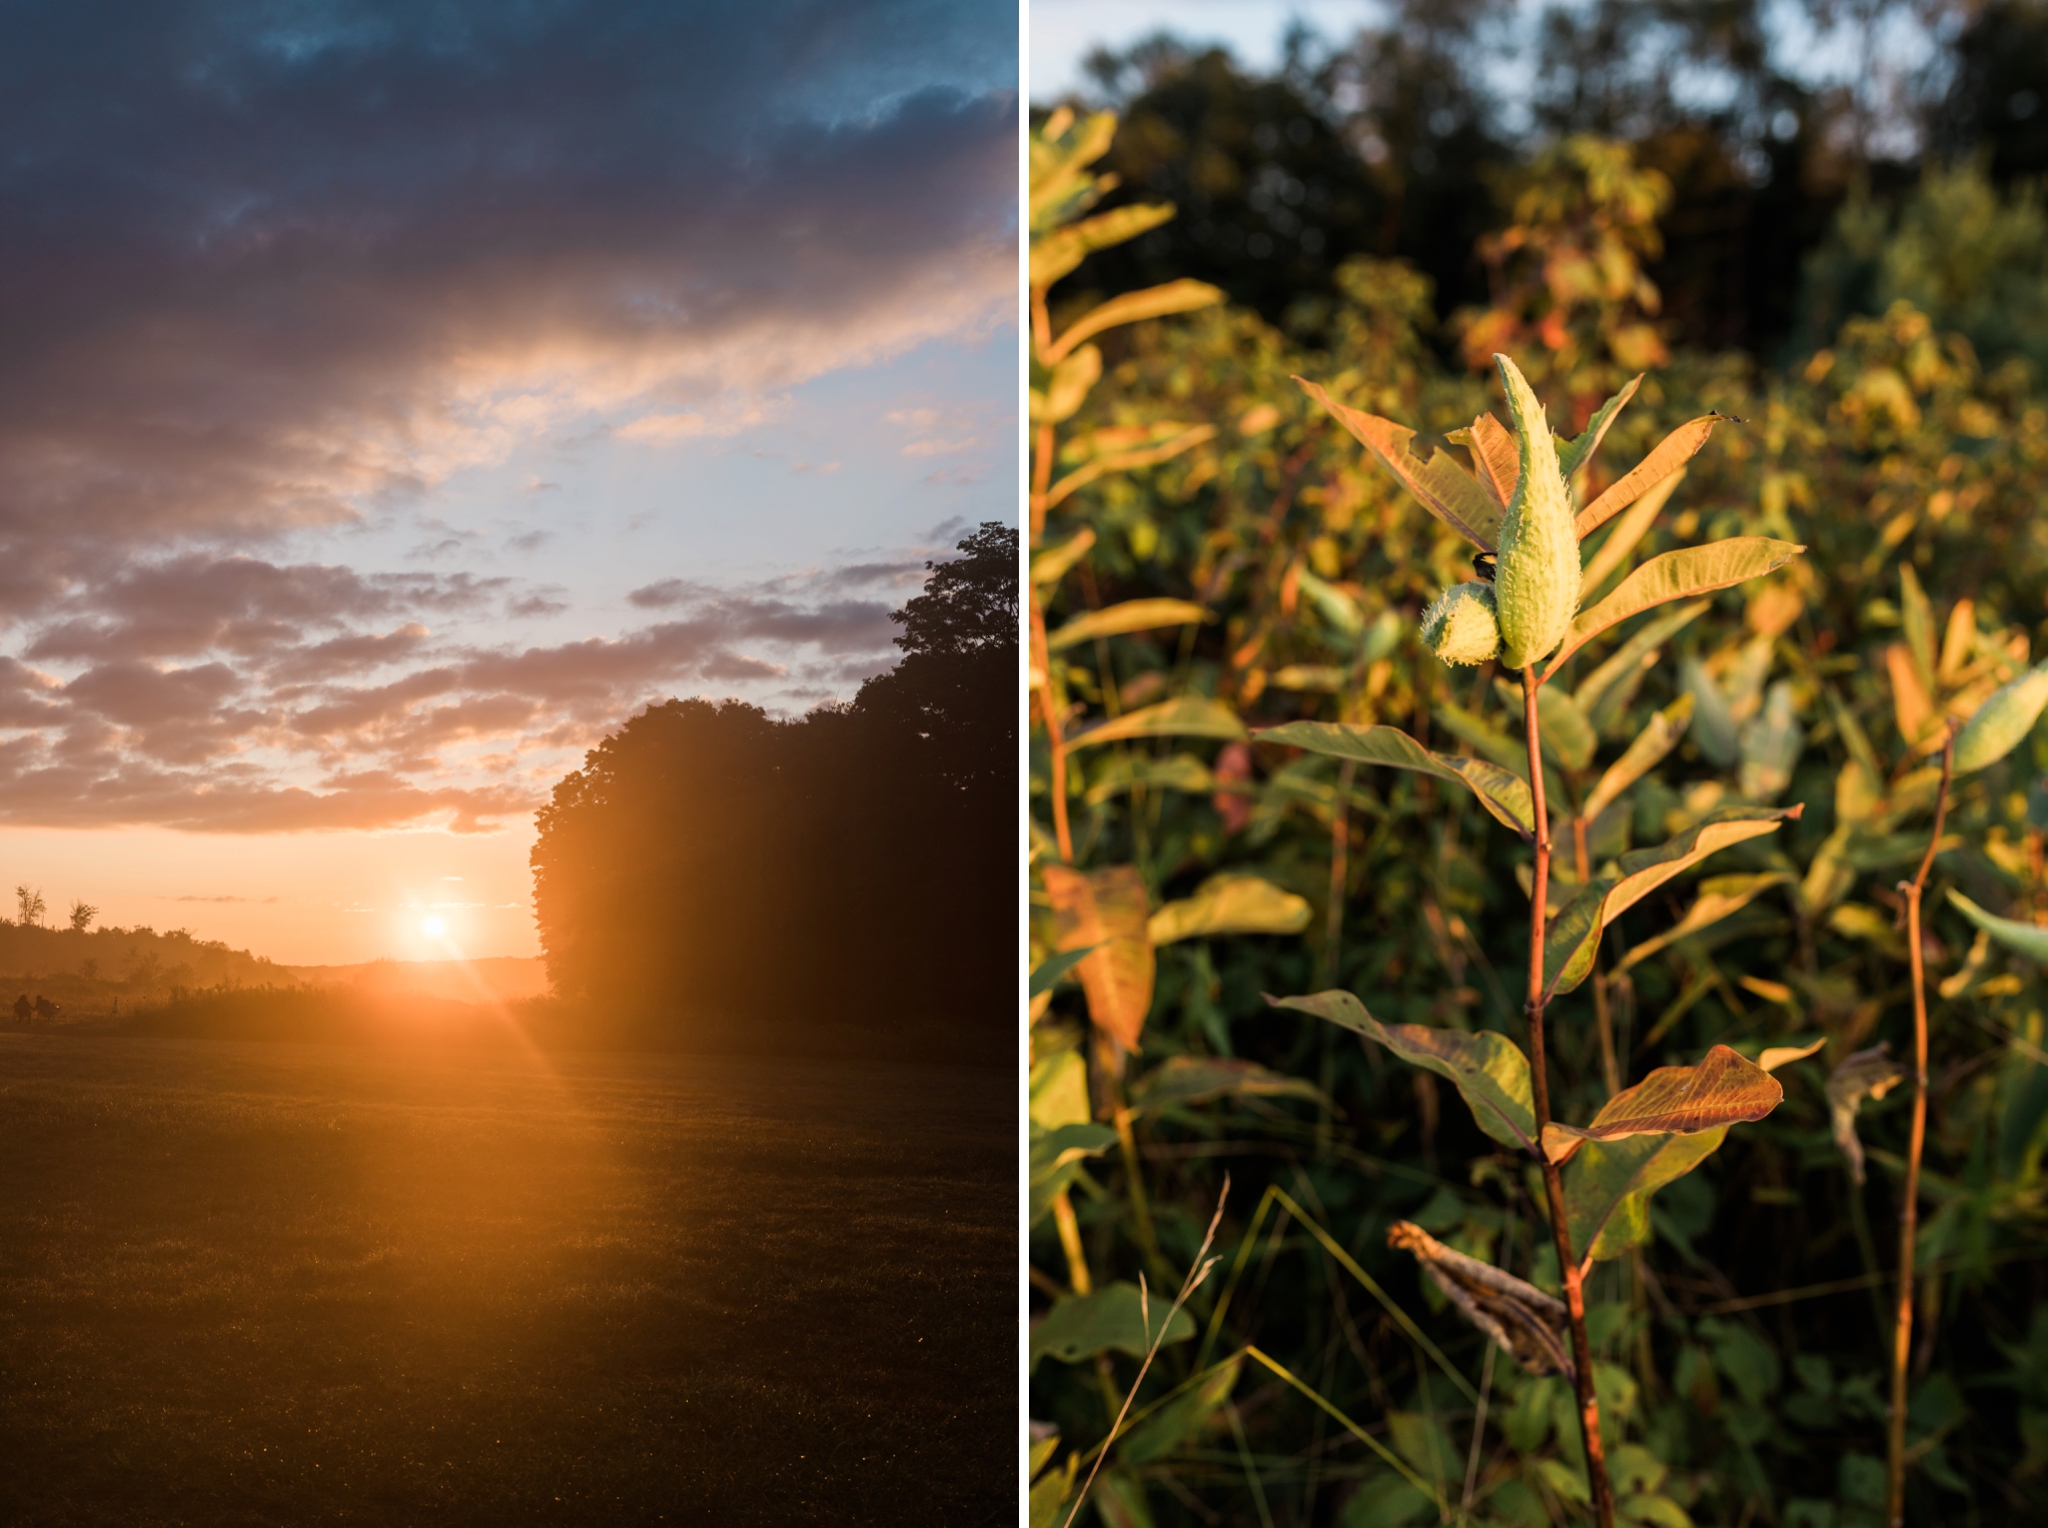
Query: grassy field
{"points": [[269, 1283]]}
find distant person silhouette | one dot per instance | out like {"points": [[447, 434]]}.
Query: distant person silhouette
{"points": [[45, 1009], [22, 1009]]}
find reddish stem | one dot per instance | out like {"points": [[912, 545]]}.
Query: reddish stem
{"points": [[1553, 1184]]}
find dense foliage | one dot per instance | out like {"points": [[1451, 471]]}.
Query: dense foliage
{"points": [[719, 876], [1743, 1344]]}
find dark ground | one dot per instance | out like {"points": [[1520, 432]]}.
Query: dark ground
{"points": [[273, 1283]]}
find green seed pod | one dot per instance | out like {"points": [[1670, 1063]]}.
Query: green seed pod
{"points": [[1536, 582], [1460, 627], [1997, 726]]}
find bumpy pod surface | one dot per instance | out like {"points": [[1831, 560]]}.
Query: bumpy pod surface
{"points": [[1536, 580], [1997, 726], [1460, 627]]}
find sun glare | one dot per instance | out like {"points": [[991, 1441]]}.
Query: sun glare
{"points": [[434, 928]]}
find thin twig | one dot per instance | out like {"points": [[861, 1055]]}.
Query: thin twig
{"points": [[1909, 1211], [1196, 1273]]}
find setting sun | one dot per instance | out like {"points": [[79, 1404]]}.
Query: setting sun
{"points": [[434, 928]]}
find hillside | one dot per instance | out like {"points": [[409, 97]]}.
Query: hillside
{"points": [[111, 971]]}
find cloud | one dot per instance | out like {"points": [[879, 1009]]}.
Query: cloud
{"points": [[274, 273]]}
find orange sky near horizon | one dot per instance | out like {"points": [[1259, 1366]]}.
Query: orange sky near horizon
{"points": [[298, 899]]}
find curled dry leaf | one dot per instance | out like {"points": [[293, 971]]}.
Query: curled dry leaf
{"points": [[1862, 1074], [1530, 1324], [1107, 908], [1724, 1089]]}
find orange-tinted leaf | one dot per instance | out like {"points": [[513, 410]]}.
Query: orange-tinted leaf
{"points": [[1530, 1324], [1497, 456], [1574, 454], [1724, 1089], [1107, 908], [1446, 490], [1677, 575], [1911, 706], [1862, 1074], [1671, 453]]}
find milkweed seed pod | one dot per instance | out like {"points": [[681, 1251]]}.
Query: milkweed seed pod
{"points": [[1461, 627], [1536, 580], [1997, 726]]}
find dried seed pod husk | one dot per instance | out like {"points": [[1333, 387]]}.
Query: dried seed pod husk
{"points": [[1996, 727], [1461, 627], [1530, 1324], [1537, 577]]}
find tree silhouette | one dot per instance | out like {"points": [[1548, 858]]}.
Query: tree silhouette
{"points": [[29, 902], [82, 914], [714, 875]]}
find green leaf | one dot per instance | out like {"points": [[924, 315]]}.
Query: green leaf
{"points": [[1049, 971], [1574, 936], [1488, 1069], [2028, 939], [1574, 454], [1713, 728], [1500, 792], [1059, 1090], [1996, 727], [1198, 1079], [1657, 738], [1105, 1321], [1333, 604], [1190, 716], [1117, 620], [1067, 387], [1056, 1157], [1607, 1187], [1770, 744], [1180, 1418], [1230, 903], [1677, 576], [1605, 693], [1567, 736], [1476, 731], [1050, 565]]}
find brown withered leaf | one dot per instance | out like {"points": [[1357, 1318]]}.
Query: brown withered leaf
{"points": [[1724, 1089], [1109, 908], [1862, 1074], [1530, 1324]]}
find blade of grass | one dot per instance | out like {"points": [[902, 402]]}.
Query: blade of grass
{"points": [[1436, 1497]]}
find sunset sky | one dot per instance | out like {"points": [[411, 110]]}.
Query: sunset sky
{"points": [[394, 398]]}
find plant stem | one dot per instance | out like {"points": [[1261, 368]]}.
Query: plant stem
{"points": [[1909, 1212], [1049, 713], [1553, 1185]]}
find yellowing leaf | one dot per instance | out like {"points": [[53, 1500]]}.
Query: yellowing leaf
{"points": [[1068, 387], [1190, 716], [1912, 707], [1230, 904], [1775, 1056], [1671, 453], [1998, 725], [1862, 1074], [1628, 533], [1677, 576], [1107, 908], [1446, 490], [1050, 565], [1531, 1325], [1656, 739], [1486, 1068], [1500, 792], [1182, 296], [1497, 457], [1199, 1079], [1056, 254], [1719, 896], [1574, 936], [1118, 620], [1724, 1089], [1604, 693]]}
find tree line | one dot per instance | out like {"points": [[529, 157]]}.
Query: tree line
{"points": [[716, 876]]}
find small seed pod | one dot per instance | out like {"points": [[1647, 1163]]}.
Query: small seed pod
{"points": [[1536, 580], [1460, 627], [1998, 726]]}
